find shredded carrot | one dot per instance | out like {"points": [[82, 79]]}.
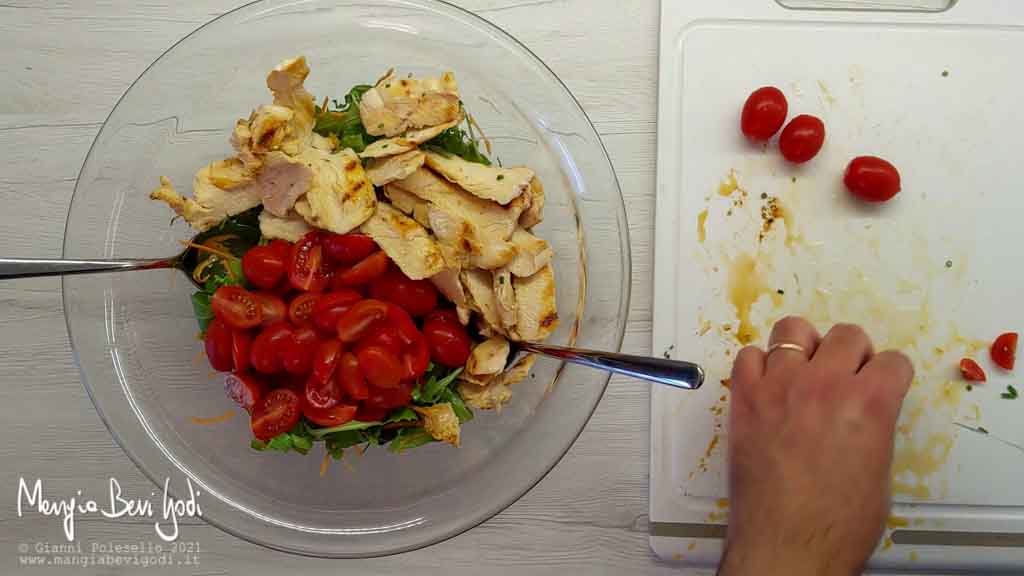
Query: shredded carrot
{"points": [[214, 419], [204, 248], [348, 465], [214, 374], [198, 357], [324, 463]]}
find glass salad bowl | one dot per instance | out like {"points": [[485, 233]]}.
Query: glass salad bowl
{"points": [[135, 337]]}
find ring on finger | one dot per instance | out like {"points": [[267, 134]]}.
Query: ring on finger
{"points": [[787, 346]]}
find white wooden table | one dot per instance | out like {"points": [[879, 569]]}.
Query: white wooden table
{"points": [[64, 65]]}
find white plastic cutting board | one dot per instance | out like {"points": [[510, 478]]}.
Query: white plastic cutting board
{"points": [[744, 239]]}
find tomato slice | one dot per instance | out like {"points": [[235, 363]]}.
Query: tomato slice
{"points": [[367, 413], [241, 345], [273, 307], [351, 378], [219, 345], [390, 398], [381, 368], [329, 417], [264, 266], [326, 359], [970, 371], [366, 270], [331, 306], [277, 412], [297, 352], [266, 348], [449, 342], [1004, 350], [300, 311], [417, 297], [322, 394], [245, 389], [307, 268], [236, 306], [357, 320], [348, 248]]}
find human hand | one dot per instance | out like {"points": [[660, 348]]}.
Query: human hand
{"points": [[810, 451]]}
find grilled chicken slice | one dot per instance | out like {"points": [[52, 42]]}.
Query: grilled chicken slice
{"points": [[505, 298], [479, 288], [532, 253], [493, 393], [286, 83], [220, 189], [281, 182], [536, 310], [463, 244], [291, 228], [488, 182], [409, 204], [489, 218], [448, 284], [440, 422], [406, 142], [404, 241], [488, 357], [395, 105], [535, 213], [340, 197], [381, 171]]}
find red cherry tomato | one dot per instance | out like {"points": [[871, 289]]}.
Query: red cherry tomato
{"points": [[331, 306], [297, 352], [449, 342], [357, 320], [348, 248], [351, 378], [300, 311], [219, 345], [1004, 350], [403, 323], [329, 417], [383, 335], [273, 307], [323, 394], [241, 346], [236, 306], [802, 138], [764, 112], [326, 359], [443, 314], [266, 348], [307, 267], [970, 371], [366, 270], [390, 398], [416, 358], [367, 413], [381, 368], [264, 266], [245, 389], [417, 297], [872, 179], [277, 412]]}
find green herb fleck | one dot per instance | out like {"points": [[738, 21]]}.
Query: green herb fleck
{"points": [[501, 177], [780, 292], [949, 263], [1010, 394], [945, 73]]}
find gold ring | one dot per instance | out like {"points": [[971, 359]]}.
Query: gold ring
{"points": [[787, 346]]}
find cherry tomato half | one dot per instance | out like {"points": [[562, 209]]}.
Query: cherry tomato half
{"points": [[381, 368], [872, 179], [273, 307], [300, 311], [326, 359], [277, 412], [416, 358], [367, 413], [802, 138], [266, 348], [219, 345], [307, 267], [332, 306], [389, 398], [325, 394], [366, 270], [971, 371], [764, 112], [245, 389], [297, 352], [444, 315], [355, 322], [351, 378], [449, 342], [236, 306], [264, 266], [241, 345], [417, 297], [348, 248], [329, 417], [1004, 350]]}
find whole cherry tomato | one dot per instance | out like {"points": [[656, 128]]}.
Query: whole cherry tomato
{"points": [[275, 413], [264, 266], [329, 417], [872, 179], [236, 306], [241, 345], [381, 368], [367, 413], [266, 348], [802, 138], [449, 343], [348, 248], [764, 112], [366, 270], [219, 345], [417, 297], [390, 398]]}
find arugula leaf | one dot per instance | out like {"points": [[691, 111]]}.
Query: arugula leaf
{"points": [[456, 141], [299, 439], [351, 426], [258, 445], [430, 390], [408, 438], [458, 406], [404, 414], [201, 308], [344, 122]]}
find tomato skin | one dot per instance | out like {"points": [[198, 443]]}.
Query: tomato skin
{"points": [[300, 311], [332, 306], [971, 371], [1004, 350], [277, 412], [444, 315], [367, 413], [417, 297], [416, 358], [872, 179], [264, 266], [449, 342], [326, 359], [219, 345], [236, 306], [383, 335], [325, 394], [403, 323], [381, 368], [390, 398], [348, 248], [357, 320], [802, 138], [297, 352], [307, 267], [245, 389], [329, 417], [273, 307], [350, 378], [366, 270], [266, 348], [763, 114], [241, 347]]}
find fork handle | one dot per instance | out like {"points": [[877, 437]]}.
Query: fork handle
{"points": [[33, 267], [675, 373]]}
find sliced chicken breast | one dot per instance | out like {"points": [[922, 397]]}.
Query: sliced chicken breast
{"points": [[479, 288], [407, 243], [408, 141], [493, 393], [535, 213], [505, 298], [340, 197], [281, 182], [448, 284], [396, 105], [382, 171], [536, 308], [440, 422], [219, 190], [292, 227], [532, 253], [488, 357], [488, 182]]}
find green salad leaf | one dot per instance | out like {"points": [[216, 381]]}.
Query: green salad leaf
{"points": [[433, 384], [343, 122], [408, 438], [457, 141]]}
